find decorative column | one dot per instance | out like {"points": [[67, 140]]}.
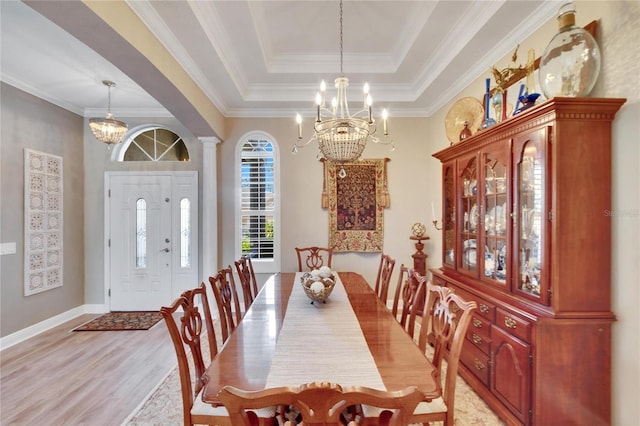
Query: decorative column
{"points": [[419, 257], [209, 207]]}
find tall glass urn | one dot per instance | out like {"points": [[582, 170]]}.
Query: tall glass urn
{"points": [[570, 64]]}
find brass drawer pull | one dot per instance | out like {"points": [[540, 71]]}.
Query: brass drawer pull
{"points": [[510, 322], [476, 323], [476, 339], [484, 308], [479, 365]]}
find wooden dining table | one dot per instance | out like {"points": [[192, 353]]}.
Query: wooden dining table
{"points": [[388, 356]]}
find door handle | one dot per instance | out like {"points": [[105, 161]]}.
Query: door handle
{"points": [[166, 250]]}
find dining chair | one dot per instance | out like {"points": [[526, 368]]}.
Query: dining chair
{"points": [[310, 258], [248, 282], [186, 332], [444, 325], [410, 289], [385, 269], [321, 403], [224, 291]]}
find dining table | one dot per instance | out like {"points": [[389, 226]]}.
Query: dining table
{"points": [[351, 339]]}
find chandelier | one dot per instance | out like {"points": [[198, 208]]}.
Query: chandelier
{"points": [[341, 136], [108, 130]]}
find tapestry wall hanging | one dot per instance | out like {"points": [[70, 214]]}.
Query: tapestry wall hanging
{"points": [[43, 222], [356, 204]]}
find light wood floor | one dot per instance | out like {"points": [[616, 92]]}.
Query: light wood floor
{"points": [[92, 378]]}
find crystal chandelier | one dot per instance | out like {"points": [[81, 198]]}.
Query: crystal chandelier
{"points": [[341, 136], [108, 130]]}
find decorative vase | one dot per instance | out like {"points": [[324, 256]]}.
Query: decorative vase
{"points": [[504, 105], [488, 121], [570, 64], [465, 132]]}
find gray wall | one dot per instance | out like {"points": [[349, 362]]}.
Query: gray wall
{"points": [[29, 122]]}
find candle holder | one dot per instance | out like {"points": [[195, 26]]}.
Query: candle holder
{"points": [[435, 224]]}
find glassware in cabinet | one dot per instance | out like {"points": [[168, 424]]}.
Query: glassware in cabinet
{"points": [[495, 206], [449, 215], [469, 215], [531, 215]]}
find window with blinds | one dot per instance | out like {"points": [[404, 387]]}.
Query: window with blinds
{"points": [[258, 198]]}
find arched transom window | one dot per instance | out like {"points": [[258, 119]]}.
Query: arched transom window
{"points": [[156, 144]]}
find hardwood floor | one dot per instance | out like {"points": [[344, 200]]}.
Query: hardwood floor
{"points": [[92, 378]]}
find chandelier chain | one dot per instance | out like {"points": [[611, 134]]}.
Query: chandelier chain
{"points": [[341, 70], [109, 97]]}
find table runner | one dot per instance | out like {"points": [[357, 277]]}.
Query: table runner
{"points": [[322, 342]]}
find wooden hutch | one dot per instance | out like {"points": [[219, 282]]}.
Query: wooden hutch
{"points": [[527, 235]]}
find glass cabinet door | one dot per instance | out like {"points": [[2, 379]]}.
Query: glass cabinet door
{"points": [[449, 215], [531, 213], [468, 216], [495, 212]]}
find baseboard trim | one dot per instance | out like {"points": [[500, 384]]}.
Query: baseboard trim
{"points": [[33, 330]]}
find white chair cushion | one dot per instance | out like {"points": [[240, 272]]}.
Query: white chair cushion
{"points": [[435, 406], [204, 409]]}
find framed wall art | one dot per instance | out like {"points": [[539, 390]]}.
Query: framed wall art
{"points": [[43, 233]]}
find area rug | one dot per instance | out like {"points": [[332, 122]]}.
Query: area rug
{"points": [[163, 405], [122, 321]]}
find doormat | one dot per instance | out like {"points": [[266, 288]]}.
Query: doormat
{"points": [[122, 321]]}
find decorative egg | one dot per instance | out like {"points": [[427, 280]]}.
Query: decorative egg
{"points": [[315, 274], [325, 271], [317, 287], [327, 281]]}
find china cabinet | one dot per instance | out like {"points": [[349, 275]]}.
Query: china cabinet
{"points": [[526, 235]]}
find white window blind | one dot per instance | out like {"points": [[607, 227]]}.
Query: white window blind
{"points": [[257, 199]]}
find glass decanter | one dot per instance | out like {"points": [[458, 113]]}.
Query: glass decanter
{"points": [[570, 64]]}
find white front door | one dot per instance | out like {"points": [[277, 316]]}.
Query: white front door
{"points": [[152, 239]]}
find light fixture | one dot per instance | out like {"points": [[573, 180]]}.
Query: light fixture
{"points": [[341, 136], [108, 130]]}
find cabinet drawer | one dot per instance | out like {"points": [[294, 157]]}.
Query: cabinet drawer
{"points": [[485, 309], [476, 361], [514, 325], [479, 333]]}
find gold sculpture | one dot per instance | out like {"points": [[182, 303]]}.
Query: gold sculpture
{"points": [[510, 75]]}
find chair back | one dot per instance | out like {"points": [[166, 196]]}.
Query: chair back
{"points": [[444, 325], [310, 258], [224, 290], [411, 291], [186, 332], [248, 282], [384, 276], [321, 403]]}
